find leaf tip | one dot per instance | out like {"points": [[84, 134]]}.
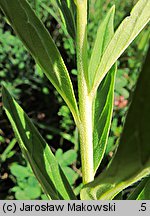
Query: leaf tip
{"points": [[4, 91], [112, 9]]}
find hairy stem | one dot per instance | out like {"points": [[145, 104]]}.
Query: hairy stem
{"points": [[85, 101]]}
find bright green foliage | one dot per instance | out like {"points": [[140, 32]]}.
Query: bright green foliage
{"points": [[132, 160], [27, 187], [102, 116], [66, 159], [38, 41], [104, 35], [124, 35], [103, 105], [37, 152], [19, 171]]}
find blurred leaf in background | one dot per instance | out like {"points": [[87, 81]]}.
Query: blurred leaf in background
{"points": [[66, 159], [27, 186]]}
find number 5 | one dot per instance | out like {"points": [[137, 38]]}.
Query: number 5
{"points": [[143, 206]]}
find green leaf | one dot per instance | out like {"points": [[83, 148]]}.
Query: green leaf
{"points": [[44, 197], [19, 171], [103, 104], [26, 190], [70, 174], [69, 157], [66, 158], [125, 34], [37, 152], [142, 191], [132, 159], [104, 35], [68, 13], [32, 182], [32, 192], [40, 44], [21, 195], [145, 193], [102, 116]]}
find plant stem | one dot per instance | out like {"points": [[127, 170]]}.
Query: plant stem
{"points": [[85, 101], [86, 141]]}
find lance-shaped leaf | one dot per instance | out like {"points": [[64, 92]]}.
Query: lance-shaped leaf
{"points": [[132, 159], [102, 112], [142, 191], [68, 14], [37, 152], [124, 35], [103, 104], [38, 41], [105, 33], [145, 192]]}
